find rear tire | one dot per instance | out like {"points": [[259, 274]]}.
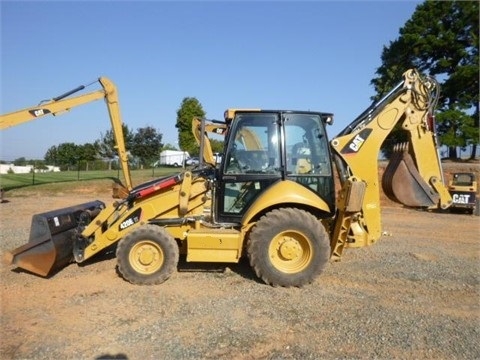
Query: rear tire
{"points": [[288, 247], [148, 255]]}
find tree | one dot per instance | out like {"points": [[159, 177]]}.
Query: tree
{"points": [[21, 161], [146, 145], [87, 152], [67, 154], [189, 109], [38, 164], [169, 147], [105, 146], [217, 145], [441, 39], [51, 155]]}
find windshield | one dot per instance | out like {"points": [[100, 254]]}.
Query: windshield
{"points": [[255, 147]]}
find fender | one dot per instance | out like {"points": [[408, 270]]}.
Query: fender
{"points": [[285, 192]]}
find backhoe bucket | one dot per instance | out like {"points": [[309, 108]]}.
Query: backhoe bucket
{"points": [[50, 246], [402, 182]]}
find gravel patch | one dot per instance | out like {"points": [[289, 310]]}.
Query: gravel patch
{"points": [[414, 294]]}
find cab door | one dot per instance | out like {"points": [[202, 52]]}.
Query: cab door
{"points": [[307, 154], [252, 162]]}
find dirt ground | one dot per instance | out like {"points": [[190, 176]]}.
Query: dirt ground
{"points": [[391, 300]]}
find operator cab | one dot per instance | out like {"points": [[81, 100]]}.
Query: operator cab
{"points": [[266, 146]]}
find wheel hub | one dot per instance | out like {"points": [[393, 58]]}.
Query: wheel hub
{"points": [[290, 249], [290, 252], [146, 255]]}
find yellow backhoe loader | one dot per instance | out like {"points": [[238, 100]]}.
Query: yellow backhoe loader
{"points": [[272, 198], [63, 103]]}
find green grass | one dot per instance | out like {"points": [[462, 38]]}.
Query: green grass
{"points": [[23, 181]]}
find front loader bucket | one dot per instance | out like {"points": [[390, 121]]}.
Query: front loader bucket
{"points": [[50, 246], [402, 182]]}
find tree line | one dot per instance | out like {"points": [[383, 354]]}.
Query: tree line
{"points": [[143, 146]]}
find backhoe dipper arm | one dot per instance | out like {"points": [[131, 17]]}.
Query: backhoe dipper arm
{"points": [[111, 98], [60, 104], [414, 176]]}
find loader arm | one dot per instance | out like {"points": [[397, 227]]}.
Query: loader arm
{"points": [[63, 103], [414, 176], [199, 127], [204, 126]]}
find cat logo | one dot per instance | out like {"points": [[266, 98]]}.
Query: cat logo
{"points": [[39, 112], [356, 143], [460, 198]]}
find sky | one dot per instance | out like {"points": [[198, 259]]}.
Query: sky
{"points": [[291, 55]]}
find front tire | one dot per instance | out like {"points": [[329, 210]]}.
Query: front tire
{"points": [[148, 255], [288, 247]]}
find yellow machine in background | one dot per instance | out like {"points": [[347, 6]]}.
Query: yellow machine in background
{"points": [[272, 198], [463, 189], [63, 103]]}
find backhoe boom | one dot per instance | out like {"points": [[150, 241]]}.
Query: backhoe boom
{"points": [[414, 176]]}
